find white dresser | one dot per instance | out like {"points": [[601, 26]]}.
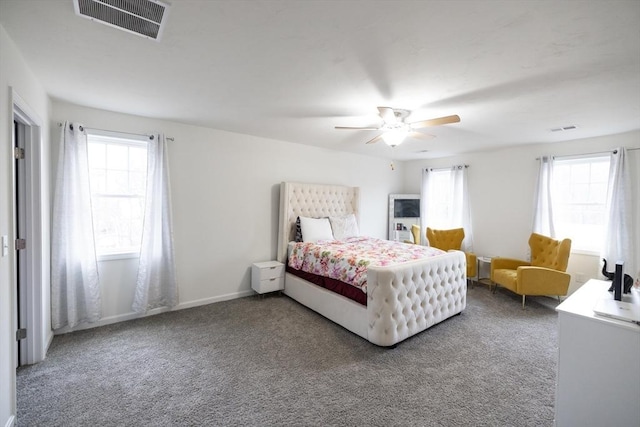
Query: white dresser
{"points": [[598, 363], [267, 276]]}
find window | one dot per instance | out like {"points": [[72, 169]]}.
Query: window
{"points": [[118, 176], [440, 203], [580, 200]]}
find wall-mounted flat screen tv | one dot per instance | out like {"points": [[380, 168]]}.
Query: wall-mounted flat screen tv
{"points": [[406, 208]]}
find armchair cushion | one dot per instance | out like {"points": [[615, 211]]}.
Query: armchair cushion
{"points": [[506, 278], [542, 281], [504, 271]]}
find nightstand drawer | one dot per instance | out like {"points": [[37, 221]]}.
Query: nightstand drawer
{"points": [[271, 272], [270, 285]]}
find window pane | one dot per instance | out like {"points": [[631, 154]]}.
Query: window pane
{"points": [[580, 173], [580, 193], [137, 159], [138, 183], [117, 223], [117, 182], [440, 203], [600, 172], [97, 155], [598, 192], [98, 180], [117, 157]]}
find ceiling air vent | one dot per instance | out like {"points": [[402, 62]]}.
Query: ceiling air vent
{"points": [[572, 127], [143, 17]]}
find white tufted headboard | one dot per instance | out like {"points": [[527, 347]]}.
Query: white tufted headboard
{"points": [[312, 200]]}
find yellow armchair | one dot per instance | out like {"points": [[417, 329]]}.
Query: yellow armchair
{"points": [[452, 240], [544, 275], [415, 232]]}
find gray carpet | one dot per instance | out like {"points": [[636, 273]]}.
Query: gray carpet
{"points": [[270, 361]]}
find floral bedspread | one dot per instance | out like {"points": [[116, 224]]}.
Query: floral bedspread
{"points": [[347, 260]]}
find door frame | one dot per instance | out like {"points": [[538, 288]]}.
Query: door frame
{"points": [[32, 285]]}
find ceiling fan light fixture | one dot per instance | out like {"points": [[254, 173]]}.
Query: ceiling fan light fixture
{"points": [[395, 129], [395, 137]]}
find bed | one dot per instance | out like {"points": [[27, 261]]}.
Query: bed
{"points": [[401, 300]]}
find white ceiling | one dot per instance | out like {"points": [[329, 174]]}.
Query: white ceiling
{"points": [[292, 70]]}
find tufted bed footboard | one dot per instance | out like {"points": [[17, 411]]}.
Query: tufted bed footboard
{"points": [[405, 299]]}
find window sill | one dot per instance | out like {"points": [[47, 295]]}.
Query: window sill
{"points": [[118, 256], [585, 252]]}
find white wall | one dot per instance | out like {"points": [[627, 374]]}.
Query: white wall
{"points": [[14, 73], [225, 193], [501, 186]]}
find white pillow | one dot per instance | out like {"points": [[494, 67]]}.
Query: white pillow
{"points": [[344, 226], [314, 229]]}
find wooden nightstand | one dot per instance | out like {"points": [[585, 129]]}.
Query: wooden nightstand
{"points": [[267, 276]]}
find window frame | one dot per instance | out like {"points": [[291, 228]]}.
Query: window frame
{"points": [[124, 139]]}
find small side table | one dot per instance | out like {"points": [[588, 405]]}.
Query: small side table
{"points": [[267, 276], [402, 235], [484, 266]]}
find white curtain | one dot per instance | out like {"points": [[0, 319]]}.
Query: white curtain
{"points": [[75, 287], [459, 212], [461, 209], [543, 206], [424, 205], [156, 284], [621, 238]]}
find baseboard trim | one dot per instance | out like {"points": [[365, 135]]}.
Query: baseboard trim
{"points": [[221, 298], [11, 422], [132, 315]]}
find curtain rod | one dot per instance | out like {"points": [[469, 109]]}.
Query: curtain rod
{"points": [[60, 124], [614, 151], [447, 168]]}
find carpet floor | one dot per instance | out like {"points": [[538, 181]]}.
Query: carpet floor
{"points": [[271, 361]]}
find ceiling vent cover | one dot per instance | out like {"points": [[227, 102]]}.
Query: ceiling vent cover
{"points": [[142, 17]]}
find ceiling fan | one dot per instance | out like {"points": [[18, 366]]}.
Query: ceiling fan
{"points": [[395, 129]]}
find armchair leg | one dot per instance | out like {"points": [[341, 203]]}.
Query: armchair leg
{"points": [[523, 298]]}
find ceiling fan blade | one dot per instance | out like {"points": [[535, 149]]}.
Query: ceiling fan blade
{"points": [[375, 139], [420, 135], [387, 114], [355, 128], [435, 122]]}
